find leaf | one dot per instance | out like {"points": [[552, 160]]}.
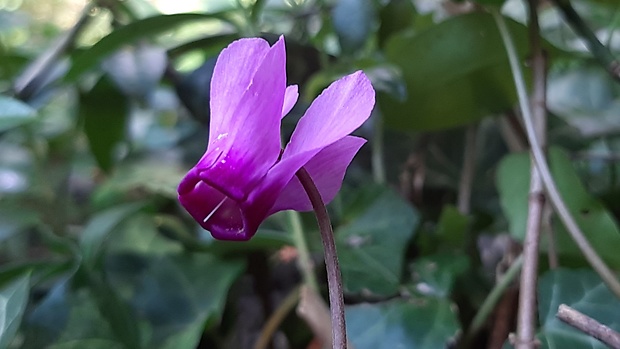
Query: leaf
{"points": [[79, 320], [128, 34], [104, 111], [13, 301], [136, 70], [456, 73], [176, 294], [415, 324], [435, 275], [100, 226], [586, 98], [353, 21], [582, 290], [153, 177], [452, 227], [90, 343], [47, 320], [595, 221], [371, 247], [396, 16], [14, 113], [116, 312]]}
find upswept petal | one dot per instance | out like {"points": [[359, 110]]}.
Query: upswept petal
{"points": [[335, 113], [290, 98], [233, 73], [327, 170], [339, 110], [238, 158]]}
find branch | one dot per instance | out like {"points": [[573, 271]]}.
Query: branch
{"points": [[334, 279], [541, 163], [589, 326], [526, 319]]}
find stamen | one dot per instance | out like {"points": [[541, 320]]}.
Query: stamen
{"points": [[215, 209]]}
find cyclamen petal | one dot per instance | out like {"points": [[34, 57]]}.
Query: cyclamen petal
{"points": [[290, 98], [244, 176], [327, 169]]}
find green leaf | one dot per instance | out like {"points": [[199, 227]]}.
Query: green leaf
{"points": [[90, 343], [176, 294], [153, 177], [353, 21], [71, 316], [586, 98], [49, 318], [582, 290], [104, 111], [100, 226], [452, 227], [435, 275], [456, 73], [396, 16], [371, 247], [14, 113], [13, 301], [416, 324], [116, 312], [128, 34], [596, 222]]}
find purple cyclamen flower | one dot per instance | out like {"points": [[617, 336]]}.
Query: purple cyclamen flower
{"points": [[245, 176]]}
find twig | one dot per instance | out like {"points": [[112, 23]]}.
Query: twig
{"points": [[468, 171], [276, 319], [526, 319], [589, 326], [527, 314], [601, 53], [541, 163], [334, 279], [37, 72]]}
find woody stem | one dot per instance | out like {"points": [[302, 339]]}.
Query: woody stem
{"points": [[334, 279]]}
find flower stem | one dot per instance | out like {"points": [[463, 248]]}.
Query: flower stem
{"points": [[334, 280]]}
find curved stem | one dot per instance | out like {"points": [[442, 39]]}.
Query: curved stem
{"points": [[276, 319], [541, 163], [493, 297], [334, 279]]}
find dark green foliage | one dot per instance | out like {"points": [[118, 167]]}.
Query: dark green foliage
{"points": [[100, 121]]}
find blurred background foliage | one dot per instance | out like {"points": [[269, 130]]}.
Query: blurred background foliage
{"points": [[104, 106]]}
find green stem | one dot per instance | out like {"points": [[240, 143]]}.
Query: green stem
{"points": [[276, 319], [489, 303], [541, 163], [304, 261], [378, 164], [334, 279], [598, 50]]}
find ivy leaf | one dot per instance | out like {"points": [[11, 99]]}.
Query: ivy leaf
{"points": [[13, 301]]}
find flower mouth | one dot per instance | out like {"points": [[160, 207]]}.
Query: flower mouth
{"points": [[216, 212]]}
